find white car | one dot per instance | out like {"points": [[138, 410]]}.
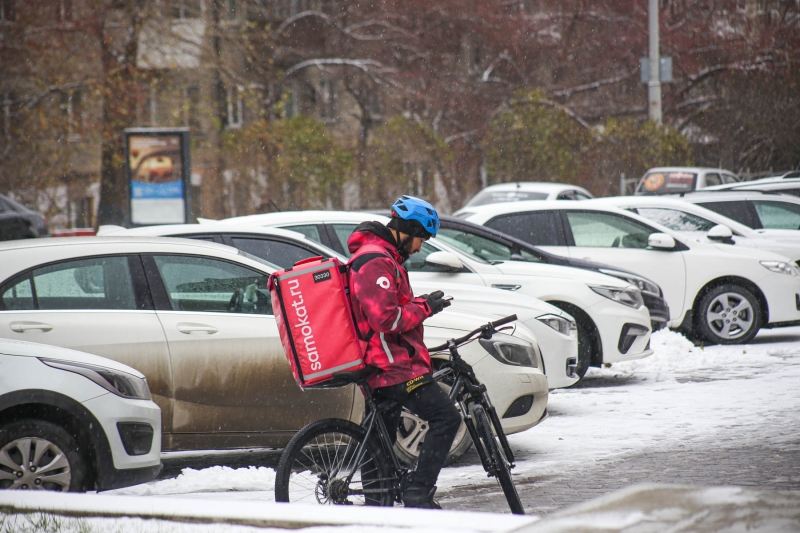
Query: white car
{"points": [[613, 324], [526, 190], [708, 226], [73, 421], [786, 183], [676, 180], [721, 293], [554, 329], [754, 209], [171, 308]]}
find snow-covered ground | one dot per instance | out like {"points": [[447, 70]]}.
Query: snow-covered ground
{"points": [[681, 394]]}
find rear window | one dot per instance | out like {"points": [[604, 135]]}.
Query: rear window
{"points": [[667, 183], [496, 197]]}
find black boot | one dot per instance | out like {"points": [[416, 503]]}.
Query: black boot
{"points": [[420, 497]]}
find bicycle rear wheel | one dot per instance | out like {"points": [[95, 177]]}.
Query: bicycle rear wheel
{"points": [[496, 455], [320, 464]]}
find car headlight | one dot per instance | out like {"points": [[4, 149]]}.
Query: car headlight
{"points": [[120, 383], [630, 296], [560, 324], [643, 284], [510, 350], [781, 267]]}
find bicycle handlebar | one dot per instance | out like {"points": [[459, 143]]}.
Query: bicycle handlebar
{"points": [[491, 326]]}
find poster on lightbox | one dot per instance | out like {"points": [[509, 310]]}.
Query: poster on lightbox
{"points": [[156, 173]]}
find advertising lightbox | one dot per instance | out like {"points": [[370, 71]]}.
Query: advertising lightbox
{"points": [[159, 173]]}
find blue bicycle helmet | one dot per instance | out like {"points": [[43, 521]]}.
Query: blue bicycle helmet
{"points": [[414, 217]]}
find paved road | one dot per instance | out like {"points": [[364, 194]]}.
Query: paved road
{"points": [[774, 463]]}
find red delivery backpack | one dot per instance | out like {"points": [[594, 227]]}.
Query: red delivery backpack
{"points": [[312, 308]]}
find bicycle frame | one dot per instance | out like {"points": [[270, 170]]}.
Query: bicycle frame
{"points": [[466, 390]]}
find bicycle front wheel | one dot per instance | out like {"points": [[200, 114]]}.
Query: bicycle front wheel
{"points": [[495, 454], [329, 462]]}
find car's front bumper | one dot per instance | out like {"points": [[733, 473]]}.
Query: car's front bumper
{"points": [[110, 409], [659, 310], [559, 352], [783, 299], [519, 394], [612, 319]]}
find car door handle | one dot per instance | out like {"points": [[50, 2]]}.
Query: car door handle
{"points": [[504, 287], [189, 328], [22, 327]]}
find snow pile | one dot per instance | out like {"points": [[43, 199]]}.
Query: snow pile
{"points": [[214, 479]]}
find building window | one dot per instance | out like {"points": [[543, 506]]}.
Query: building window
{"points": [[235, 103], [72, 112], [230, 9], [82, 212], [7, 116], [192, 108], [8, 10], [327, 91], [186, 9], [65, 10]]}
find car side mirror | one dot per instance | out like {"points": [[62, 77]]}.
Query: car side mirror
{"points": [[444, 260], [661, 241], [721, 233]]}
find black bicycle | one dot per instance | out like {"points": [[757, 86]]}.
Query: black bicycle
{"points": [[334, 461]]}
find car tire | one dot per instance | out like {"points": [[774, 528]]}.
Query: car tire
{"points": [[59, 466], [728, 314]]}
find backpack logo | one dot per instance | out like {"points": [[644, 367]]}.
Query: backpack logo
{"points": [[322, 276], [383, 282]]}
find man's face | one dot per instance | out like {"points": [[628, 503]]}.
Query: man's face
{"points": [[416, 244]]}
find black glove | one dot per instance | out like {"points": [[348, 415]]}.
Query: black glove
{"points": [[436, 301]]}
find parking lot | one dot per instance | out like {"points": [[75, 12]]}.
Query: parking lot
{"points": [[719, 415]]}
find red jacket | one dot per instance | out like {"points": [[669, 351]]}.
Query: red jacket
{"points": [[383, 302]]}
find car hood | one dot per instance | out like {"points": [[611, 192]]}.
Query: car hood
{"points": [[787, 236], [539, 270], [490, 301], [745, 252], [45, 351], [459, 319]]}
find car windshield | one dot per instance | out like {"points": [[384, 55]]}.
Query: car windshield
{"points": [[667, 182], [675, 219], [273, 267], [496, 197], [486, 249]]}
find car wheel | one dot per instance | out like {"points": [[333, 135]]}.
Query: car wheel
{"points": [[39, 455], [729, 314], [411, 434], [584, 350]]}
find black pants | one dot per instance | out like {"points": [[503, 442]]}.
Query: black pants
{"points": [[432, 404]]}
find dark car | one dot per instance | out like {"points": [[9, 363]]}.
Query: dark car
{"points": [[512, 249], [19, 222]]}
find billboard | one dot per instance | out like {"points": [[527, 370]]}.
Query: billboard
{"points": [[159, 173]]}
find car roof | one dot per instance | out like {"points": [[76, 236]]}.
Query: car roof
{"points": [[677, 203], [290, 217], [112, 239], [166, 230], [492, 210], [539, 186], [732, 195], [689, 169]]}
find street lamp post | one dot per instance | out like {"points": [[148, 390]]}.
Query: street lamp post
{"points": [[654, 85]]}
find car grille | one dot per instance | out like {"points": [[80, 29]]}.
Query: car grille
{"points": [[520, 406]]}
